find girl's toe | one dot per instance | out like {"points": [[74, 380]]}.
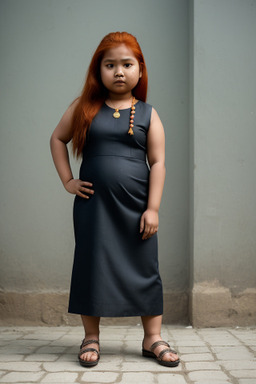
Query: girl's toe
{"points": [[170, 357], [93, 357]]}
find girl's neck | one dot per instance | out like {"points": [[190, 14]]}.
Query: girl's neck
{"points": [[120, 97], [119, 101]]}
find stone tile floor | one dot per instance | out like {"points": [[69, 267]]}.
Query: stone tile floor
{"points": [[49, 355]]}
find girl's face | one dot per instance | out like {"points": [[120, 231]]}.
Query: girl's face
{"points": [[120, 70]]}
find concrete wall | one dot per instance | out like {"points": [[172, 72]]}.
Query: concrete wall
{"points": [[46, 47], [223, 177]]}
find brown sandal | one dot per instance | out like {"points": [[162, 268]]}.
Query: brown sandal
{"points": [[150, 353], [84, 350]]}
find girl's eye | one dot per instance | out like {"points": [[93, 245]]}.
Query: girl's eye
{"points": [[109, 65], [127, 65]]}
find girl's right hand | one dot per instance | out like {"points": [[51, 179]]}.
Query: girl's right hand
{"points": [[79, 188]]}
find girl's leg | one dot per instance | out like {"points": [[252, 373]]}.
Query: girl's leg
{"points": [[152, 332], [92, 331]]}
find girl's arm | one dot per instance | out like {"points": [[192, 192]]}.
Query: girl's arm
{"points": [[59, 140], [156, 159]]}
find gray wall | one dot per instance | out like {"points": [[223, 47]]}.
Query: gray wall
{"points": [[223, 174], [225, 142], [46, 47]]}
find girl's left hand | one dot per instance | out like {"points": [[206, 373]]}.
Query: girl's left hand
{"points": [[149, 223]]}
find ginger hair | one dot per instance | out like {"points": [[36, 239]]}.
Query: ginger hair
{"points": [[94, 93]]}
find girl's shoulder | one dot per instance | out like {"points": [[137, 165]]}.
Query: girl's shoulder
{"points": [[142, 105], [144, 111], [148, 107], [148, 113], [73, 104]]}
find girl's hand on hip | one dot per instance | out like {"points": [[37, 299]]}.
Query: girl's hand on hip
{"points": [[79, 188], [149, 223]]}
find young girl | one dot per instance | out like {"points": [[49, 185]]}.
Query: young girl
{"points": [[115, 271]]}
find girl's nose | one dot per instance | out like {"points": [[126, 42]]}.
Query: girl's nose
{"points": [[119, 72]]}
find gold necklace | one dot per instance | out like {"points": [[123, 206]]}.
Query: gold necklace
{"points": [[116, 115]]}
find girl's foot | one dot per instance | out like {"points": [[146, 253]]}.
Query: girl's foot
{"points": [[149, 340], [89, 354]]}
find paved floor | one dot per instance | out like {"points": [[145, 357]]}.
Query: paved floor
{"points": [[49, 355]]}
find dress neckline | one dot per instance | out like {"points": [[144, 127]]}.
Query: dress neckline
{"points": [[120, 109]]}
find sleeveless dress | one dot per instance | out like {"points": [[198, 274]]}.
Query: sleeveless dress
{"points": [[115, 272]]}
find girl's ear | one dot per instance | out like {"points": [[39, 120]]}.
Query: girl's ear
{"points": [[140, 74]]}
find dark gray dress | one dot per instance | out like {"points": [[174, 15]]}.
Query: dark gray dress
{"points": [[115, 272]]}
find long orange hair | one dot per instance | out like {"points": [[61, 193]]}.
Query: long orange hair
{"points": [[94, 93]]}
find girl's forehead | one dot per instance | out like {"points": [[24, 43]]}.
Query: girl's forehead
{"points": [[119, 51]]}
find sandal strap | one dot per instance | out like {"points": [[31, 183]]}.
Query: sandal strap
{"points": [[164, 351], [85, 350], [87, 342], [157, 343]]}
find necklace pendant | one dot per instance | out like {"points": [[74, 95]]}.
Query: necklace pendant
{"points": [[116, 114]]}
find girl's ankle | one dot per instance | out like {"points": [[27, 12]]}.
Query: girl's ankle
{"points": [[92, 336]]}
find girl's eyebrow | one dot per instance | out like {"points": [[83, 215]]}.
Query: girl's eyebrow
{"points": [[113, 60]]}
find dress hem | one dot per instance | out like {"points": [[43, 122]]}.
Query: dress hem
{"points": [[119, 315]]}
